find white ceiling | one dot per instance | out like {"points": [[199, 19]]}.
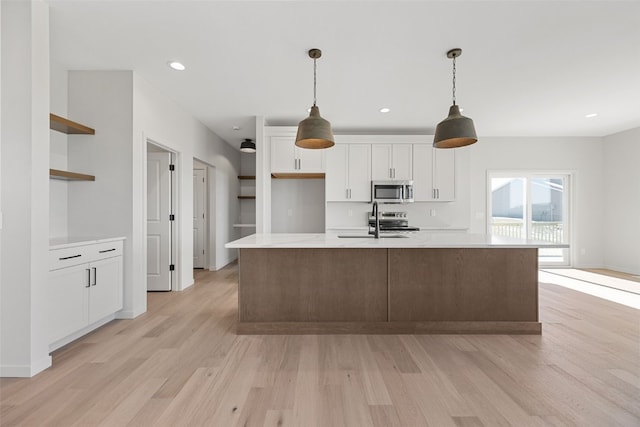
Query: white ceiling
{"points": [[528, 68]]}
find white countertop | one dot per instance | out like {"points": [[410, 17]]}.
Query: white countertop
{"points": [[419, 239], [73, 241]]}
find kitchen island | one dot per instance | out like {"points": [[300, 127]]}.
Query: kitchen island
{"points": [[422, 283]]}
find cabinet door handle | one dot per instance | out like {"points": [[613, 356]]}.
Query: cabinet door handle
{"points": [[69, 257], [437, 193], [107, 250], [95, 276], [88, 278]]}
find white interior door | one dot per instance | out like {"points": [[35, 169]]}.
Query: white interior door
{"points": [[199, 217], [158, 222]]}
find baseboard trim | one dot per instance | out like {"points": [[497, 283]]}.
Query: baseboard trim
{"points": [[130, 314], [25, 371]]}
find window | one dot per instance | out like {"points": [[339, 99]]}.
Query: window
{"points": [[531, 206]]}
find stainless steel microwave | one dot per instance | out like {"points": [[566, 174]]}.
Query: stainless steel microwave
{"points": [[392, 191]]}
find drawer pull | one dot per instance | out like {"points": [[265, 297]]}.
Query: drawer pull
{"points": [[107, 250], [69, 257]]}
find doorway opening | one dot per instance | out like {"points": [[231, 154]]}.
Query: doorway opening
{"points": [[200, 216], [161, 188], [531, 205], [204, 215]]}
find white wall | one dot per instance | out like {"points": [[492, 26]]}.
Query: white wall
{"points": [[621, 201], [297, 206], [24, 348], [162, 120], [126, 111], [58, 197], [103, 208], [582, 156]]}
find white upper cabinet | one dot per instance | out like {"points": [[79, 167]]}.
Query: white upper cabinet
{"points": [[433, 174], [391, 161], [287, 158], [348, 175]]}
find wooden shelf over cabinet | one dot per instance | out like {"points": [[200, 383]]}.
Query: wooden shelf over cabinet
{"points": [[68, 126], [70, 176], [246, 177], [246, 197]]}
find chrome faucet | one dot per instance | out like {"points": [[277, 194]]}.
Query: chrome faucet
{"points": [[376, 228]]}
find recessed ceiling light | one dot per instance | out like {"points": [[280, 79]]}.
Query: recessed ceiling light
{"points": [[236, 128], [591, 115], [177, 65], [385, 110]]}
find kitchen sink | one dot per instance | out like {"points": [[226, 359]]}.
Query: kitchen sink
{"points": [[369, 236]]}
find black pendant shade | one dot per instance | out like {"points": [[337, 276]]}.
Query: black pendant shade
{"points": [[248, 146]]}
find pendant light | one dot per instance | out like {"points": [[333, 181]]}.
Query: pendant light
{"points": [[456, 130], [248, 146], [314, 131]]}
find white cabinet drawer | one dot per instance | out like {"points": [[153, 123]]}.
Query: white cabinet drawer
{"points": [[104, 250], [67, 257]]}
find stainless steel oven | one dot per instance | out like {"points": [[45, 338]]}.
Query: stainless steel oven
{"points": [[392, 191]]}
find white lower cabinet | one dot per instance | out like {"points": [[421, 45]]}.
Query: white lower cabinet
{"points": [[84, 289]]}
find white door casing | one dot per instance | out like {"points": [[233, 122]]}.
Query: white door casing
{"points": [[199, 217], [158, 222]]}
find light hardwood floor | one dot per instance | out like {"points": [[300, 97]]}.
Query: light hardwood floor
{"points": [[182, 364]]}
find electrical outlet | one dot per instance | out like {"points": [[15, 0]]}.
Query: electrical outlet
{"points": [[583, 251], [290, 212], [432, 212], [350, 212]]}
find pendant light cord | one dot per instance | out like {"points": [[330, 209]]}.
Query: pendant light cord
{"points": [[314, 82], [454, 80]]}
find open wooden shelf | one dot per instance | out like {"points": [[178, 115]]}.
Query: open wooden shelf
{"points": [[246, 197], [67, 126], [246, 177], [70, 176], [279, 175]]}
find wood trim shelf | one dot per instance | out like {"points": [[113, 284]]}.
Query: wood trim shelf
{"points": [[246, 177], [279, 175], [70, 176], [68, 126], [246, 197]]}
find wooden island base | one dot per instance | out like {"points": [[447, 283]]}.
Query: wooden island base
{"points": [[388, 291]]}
